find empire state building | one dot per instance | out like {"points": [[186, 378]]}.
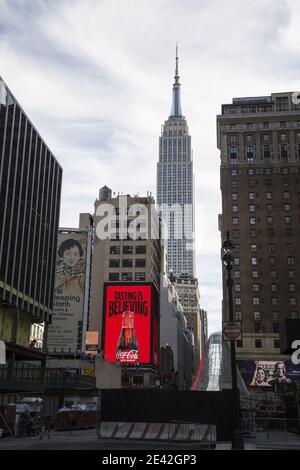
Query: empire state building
{"points": [[175, 186]]}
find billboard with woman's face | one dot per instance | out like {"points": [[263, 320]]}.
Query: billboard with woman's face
{"points": [[64, 334], [262, 373]]}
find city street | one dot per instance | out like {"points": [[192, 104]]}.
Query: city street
{"points": [[87, 440]]}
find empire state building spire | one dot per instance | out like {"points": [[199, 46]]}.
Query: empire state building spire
{"points": [[176, 101]]}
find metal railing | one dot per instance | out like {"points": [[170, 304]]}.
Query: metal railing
{"points": [[36, 374], [271, 429]]}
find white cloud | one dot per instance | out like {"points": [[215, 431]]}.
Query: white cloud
{"points": [[96, 76]]}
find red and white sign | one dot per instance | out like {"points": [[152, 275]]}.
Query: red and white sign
{"points": [[232, 331]]}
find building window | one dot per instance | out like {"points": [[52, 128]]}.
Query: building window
{"points": [[276, 343], [258, 343], [140, 249], [292, 287], [237, 288], [252, 208], [275, 327], [238, 315], [235, 221], [255, 287], [238, 301], [234, 184], [234, 172], [294, 315], [253, 248], [239, 344], [274, 301], [257, 316], [290, 261], [272, 248], [286, 195], [274, 288], [257, 327], [270, 220], [234, 196], [235, 233], [252, 220], [114, 263], [140, 276], [113, 277], [273, 274], [237, 274], [272, 260], [254, 261], [269, 207], [128, 250], [293, 301], [256, 301], [251, 196], [127, 263], [287, 207], [291, 274], [290, 247], [115, 250], [127, 277], [253, 233], [275, 315], [235, 208], [255, 274], [269, 195]]}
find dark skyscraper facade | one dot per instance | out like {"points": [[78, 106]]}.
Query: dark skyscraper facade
{"points": [[30, 188], [259, 140]]}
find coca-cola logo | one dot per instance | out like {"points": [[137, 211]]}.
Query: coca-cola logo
{"points": [[127, 356]]}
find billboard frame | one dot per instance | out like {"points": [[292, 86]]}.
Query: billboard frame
{"points": [[155, 307]]}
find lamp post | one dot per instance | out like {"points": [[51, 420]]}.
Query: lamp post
{"points": [[227, 258]]}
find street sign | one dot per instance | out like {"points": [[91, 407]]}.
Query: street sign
{"points": [[232, 331]]}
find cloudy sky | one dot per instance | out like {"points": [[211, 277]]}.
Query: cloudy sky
{"points": [[95, 77]]}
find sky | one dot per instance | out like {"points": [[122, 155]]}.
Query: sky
{"points": [[95, 77]]}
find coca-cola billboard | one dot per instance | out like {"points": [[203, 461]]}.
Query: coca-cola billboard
{"points": [[131, 324]]}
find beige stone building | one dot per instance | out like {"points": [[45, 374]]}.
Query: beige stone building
{"points": [[259, 140], [123, 260]]}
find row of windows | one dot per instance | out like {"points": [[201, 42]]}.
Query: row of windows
{"points": [[262, 171], [258, 287], [249, 138], [257, 274], [126, 277], [128, 249], [254, 208], [127, 263], [252, 196], [269, 220], [271, 248], [253, 233], [264, 125], [259, 315], [258, 343], [253, 183], [259, 301], [272, 260]]}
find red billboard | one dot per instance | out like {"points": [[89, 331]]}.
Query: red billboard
{"points": [[131, 331]]}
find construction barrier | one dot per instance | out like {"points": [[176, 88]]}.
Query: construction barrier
{"points": [[158, 431]]}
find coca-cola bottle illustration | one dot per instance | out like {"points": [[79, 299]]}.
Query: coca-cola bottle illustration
{"points": [[127, 348]]}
